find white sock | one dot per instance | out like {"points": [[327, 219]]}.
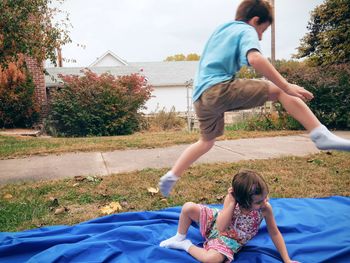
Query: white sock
{"points": [[182, 245], [167, 182], [325, 140], [177, 238]]}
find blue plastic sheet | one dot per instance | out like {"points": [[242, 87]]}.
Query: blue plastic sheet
{"points": [[315, 230]]}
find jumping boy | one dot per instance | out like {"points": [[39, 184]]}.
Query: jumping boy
{"points": [[216, 90]]}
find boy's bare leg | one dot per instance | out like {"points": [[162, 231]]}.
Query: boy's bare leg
{"points": [[319, 134], [295, 107], [190, 155]]}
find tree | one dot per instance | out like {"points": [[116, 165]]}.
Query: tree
{"points": [[192, 57], [17, 105], [182, 57], [328, 41], [26, 27]]}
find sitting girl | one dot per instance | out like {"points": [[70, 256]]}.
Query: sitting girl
{"points": [[226, 231]]}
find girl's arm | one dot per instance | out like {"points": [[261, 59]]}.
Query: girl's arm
{"points": [[275, 234], [225, 215]]}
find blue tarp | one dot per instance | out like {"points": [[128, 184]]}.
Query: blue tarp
{"points": [[315, 230]]}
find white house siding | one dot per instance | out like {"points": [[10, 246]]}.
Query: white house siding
{"points": [[168, 97]]}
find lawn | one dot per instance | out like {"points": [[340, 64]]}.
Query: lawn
{"points": [[14, 147], [33, 204]]}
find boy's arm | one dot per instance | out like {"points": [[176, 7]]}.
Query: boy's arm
{"points": [[275, 234], [225, 215], [264, 67]]}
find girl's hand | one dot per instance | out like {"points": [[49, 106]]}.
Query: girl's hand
{"points": [[230, 191], [294, 261], [229, 197]]}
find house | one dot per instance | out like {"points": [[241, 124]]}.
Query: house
{"points": [[108, 59], [171, 81]]}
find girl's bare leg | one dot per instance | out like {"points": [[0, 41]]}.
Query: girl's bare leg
{"points": [[203, 255], [190, 212]]}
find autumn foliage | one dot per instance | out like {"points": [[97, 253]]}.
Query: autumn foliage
{"points": [[330, 86], [18, 107], [98, 105]]}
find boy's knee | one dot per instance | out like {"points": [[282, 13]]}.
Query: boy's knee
{"points": [[274, 92], [208, 144]]}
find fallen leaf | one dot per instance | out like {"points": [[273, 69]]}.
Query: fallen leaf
{"points": [[220, 197], [76, 184], [111, 208], [53, 201], [79, 178], [124, 204], [164, 200], [8, 196], [153, 190], [61, 210], [93, 179]]}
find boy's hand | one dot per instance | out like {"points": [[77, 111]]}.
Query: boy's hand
{"points": [[300, 92]]}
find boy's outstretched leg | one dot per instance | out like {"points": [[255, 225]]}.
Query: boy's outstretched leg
{"points": [[319, 134], [325, 140], [190, 155]]}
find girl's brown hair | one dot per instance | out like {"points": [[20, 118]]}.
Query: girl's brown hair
{"points": [[245, 184], [251, 8]]}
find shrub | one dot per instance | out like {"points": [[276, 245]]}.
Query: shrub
{"points": [[18, 108], [331, 88], [93, 105], [266, 122], [165, 120]]}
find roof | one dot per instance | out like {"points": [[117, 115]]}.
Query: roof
{"points": [[157, 73], [109, 58]]}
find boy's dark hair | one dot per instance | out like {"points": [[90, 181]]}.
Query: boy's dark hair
{"points": [[251, 8], [245, 184]]}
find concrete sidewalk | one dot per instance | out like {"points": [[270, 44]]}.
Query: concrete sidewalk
{"points": [[105, 163]]}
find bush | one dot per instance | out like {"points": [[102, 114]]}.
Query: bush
{"points": [[267, 122], [163, 121], [18, 108], [93, 105], [331, 88]]}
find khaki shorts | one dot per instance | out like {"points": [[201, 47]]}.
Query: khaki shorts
{"points": [[227, 96]]}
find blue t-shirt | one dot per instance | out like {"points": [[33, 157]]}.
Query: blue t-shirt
{"points": [[224, 54]]}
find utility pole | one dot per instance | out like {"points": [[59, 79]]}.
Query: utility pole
{"points": [[189, 85], [59, 57], [273, 34]]}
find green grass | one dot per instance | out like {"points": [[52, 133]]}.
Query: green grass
{"points": [[31, 205], [15, 147]]}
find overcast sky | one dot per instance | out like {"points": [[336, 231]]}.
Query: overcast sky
{"points": [[151, 30]]}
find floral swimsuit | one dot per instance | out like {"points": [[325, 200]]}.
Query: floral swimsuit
{"points": [[242, 228]]}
